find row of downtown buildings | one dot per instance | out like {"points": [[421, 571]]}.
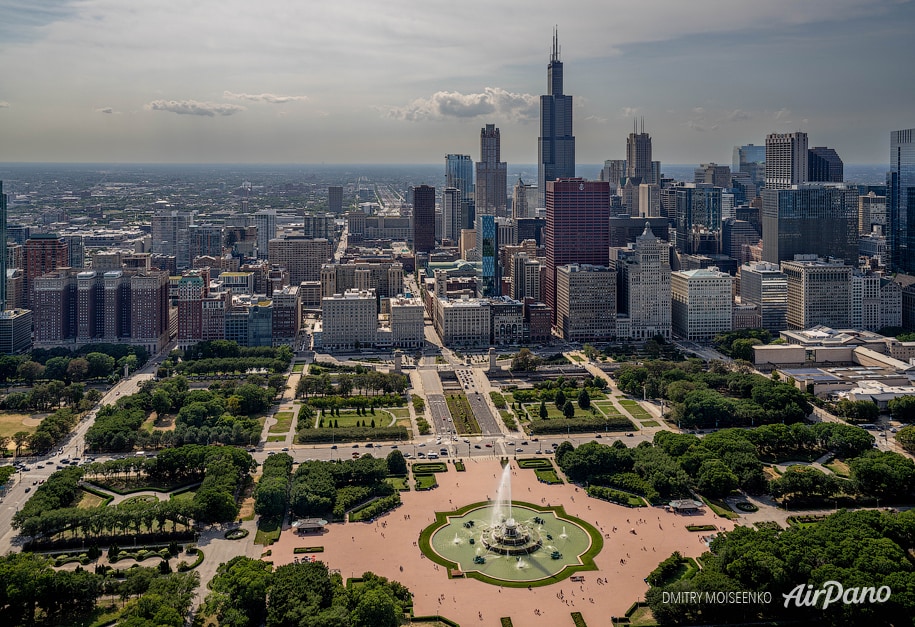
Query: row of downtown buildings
{"points": [[589, 286]]}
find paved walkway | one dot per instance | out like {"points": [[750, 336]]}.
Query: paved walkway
{"points": [[386, 547]]}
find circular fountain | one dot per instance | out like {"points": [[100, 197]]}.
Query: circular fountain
{"points": [[511, 538], [509, 543]]}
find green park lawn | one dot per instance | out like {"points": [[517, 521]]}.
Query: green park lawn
{"points": [[634, 409], [283, 422], [11, 423], [349, 418]]}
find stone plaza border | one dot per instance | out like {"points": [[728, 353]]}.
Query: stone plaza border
{"points": [[586, 558]]}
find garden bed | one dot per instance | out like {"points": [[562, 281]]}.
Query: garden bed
{"points": [[427, 467], [425, 482]]}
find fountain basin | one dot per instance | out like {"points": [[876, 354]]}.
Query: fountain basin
{"points": [[514, 551]]}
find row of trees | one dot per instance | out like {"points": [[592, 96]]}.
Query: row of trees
{"points": [[715, 397], [93, 361], [245, 593], [52, 508], [722, 461], [36, 594], [49, 396], [860, 548], [367, 383], [316, 485], [271, 498], [225, 413]]}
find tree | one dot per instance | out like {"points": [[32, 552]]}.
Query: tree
{"points": [[77, 369], [544, 413], [525, 361], [20, 439], [29, 371], [56, 368], [560, 399], [397, 465], [804, 482], [902, 408], [584, 399], [568, 410], [883, 474], [906, 438], [857, 412], [590, 352], [375, 609], [100, 364], [715, 479], [239, 592]]}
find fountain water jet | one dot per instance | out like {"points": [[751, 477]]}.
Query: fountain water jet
{"points": [[506, 535]]}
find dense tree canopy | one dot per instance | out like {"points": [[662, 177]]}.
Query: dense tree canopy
{"points": [[862, 548]]}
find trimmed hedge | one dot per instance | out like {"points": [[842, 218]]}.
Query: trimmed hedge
{"points": [[375, 508], [534, 462], [615, 496], [308, 549], [350, 434], [427, 467], [580, 425]]}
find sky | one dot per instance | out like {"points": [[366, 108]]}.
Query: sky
{"points": [[404, 81]]}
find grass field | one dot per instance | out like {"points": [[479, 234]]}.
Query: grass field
{"points": [[398, 483], [298, 368], [547, 475], [634, 409], [276, 438], [184, 496], [840, 468], [425, 482], [283, 422], [12, 423], [87, 500], [268, 531], [555, 414], [607, 407], [349, 418], [650, 423]]}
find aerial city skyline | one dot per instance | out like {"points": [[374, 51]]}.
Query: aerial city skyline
{"points": [[94, 82]]}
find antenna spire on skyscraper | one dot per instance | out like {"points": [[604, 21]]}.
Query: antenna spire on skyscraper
{"points": [[555, 54]]}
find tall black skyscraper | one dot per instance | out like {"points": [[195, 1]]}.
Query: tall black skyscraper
{"points": [[556, 145], [824, 165], [423, 218]]}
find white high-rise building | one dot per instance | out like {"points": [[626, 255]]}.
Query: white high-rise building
{"points": [[643, 287], [349, 320], [586, 303], [701, 303], [764, 285], [818, 292], [265, 221], [786, 160]]}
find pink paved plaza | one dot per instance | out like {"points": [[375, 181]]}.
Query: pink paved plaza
{"points": [[388, 547]]}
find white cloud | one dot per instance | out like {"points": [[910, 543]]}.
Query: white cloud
{"points": [[4, 104], [193, 107], [628, 112], [107, 110], [493, 101], [597, 118], [270, 98], [738, 115], [782, 114], [698, 125]]}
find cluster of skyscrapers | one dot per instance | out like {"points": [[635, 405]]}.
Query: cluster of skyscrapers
{"points": [[776, 239]]}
